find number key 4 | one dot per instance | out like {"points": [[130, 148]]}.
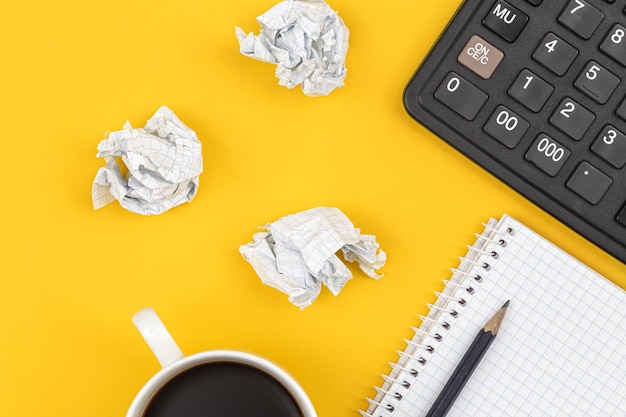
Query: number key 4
{"points": [[555, 54]]}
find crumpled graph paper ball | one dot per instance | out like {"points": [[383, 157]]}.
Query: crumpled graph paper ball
{"points": [[164, 161], [306, 40]]}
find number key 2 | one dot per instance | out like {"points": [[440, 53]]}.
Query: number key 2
{"points": [[572, 118]]}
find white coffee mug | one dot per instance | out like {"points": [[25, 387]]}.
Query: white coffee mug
{"points": [[174, 364]]}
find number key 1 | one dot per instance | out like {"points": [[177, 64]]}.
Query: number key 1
{"points": [[531, 90]]}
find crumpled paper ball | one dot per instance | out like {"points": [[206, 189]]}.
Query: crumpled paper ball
{"points": [[306, 40], [297, 253], [164, 161]]}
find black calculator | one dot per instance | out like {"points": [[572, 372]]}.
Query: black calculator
{"points": [[534, 91]]}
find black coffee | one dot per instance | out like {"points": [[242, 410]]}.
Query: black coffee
{"points": [[223, 389]]}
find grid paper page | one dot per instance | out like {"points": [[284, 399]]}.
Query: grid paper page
{"points": [[560, 350]]}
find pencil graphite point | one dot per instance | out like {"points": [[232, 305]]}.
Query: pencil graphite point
{"points": [[494, 324]]}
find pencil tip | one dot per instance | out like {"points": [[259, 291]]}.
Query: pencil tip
{"points": [[494, 324]]}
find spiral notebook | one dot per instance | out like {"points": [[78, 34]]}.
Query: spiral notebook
{"points": [[561, 349]]}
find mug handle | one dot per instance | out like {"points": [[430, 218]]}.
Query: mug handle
{"points": [[157, 337]]}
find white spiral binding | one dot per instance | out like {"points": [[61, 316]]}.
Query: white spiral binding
{"points": [[412, 371], [455, 293]]}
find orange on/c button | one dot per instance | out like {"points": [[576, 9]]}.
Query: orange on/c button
{"points": [[480, 56]]}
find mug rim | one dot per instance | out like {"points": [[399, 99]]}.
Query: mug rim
{"points": [[164, 375]]}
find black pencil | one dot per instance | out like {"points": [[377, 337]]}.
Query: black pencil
{"points": [[467, 365]]}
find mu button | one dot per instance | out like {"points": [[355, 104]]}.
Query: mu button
{"points": [[506, 20]]}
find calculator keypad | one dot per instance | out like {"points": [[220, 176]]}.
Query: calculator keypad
{"points": [[533, 91]]}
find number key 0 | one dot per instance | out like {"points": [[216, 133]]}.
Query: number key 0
{"points": [[461, 96]]}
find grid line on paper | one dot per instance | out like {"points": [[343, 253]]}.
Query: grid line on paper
{"points": [[559, 351], [576, 358]]}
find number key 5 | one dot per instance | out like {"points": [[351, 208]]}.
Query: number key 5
{"points": [[597, 82]]}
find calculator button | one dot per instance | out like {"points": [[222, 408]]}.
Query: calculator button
{"points": [[555, 54], [597, 82], [547, 154], [614, 44], [621, 216], [589, 182], [461, 96], [572, 118], [581, 18], [611, 146], [530, 90], [505, 20], [506, 126], [534, 2], [481, 57], [621, 110]]}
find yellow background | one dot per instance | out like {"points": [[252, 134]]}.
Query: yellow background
{"points": [[72, 277]]}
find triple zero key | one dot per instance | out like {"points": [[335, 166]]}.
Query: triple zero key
{"points": [[547, 154]]}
